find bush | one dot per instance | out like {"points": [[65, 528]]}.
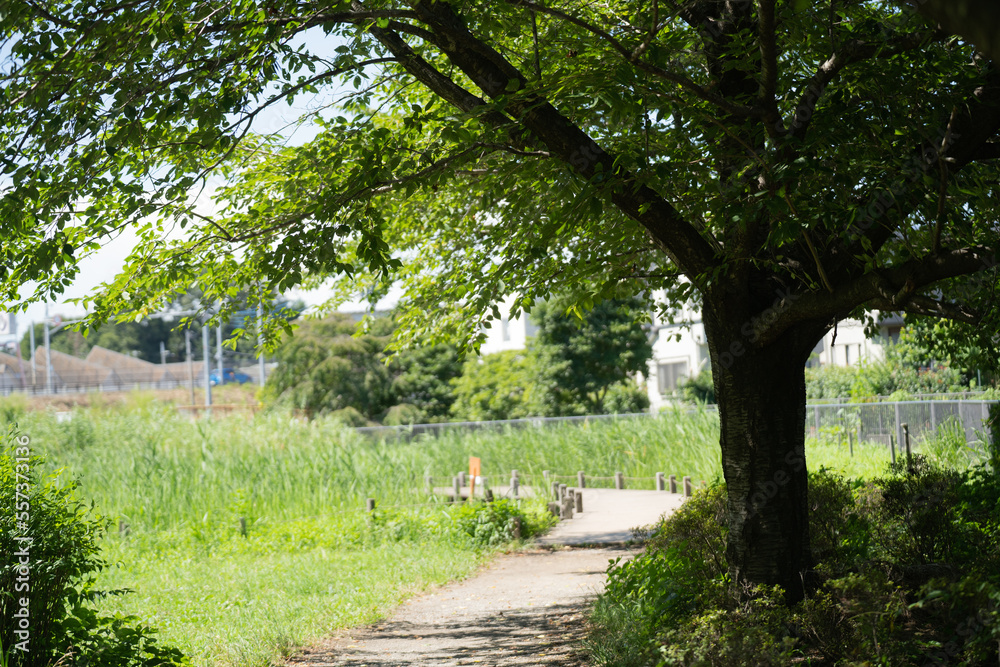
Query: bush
{"points": [[403, 415], [349, 417], [42, 521], [489, 525], [625, 398], [908, 574]]}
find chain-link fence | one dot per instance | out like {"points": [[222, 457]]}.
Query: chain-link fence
{"points": [[882, 422], [862, 422]]}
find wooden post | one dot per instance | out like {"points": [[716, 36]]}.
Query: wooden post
{"points": [[370, 504], [619, 480], [243, 526], [673, 483], [850, 443], [892, 447], [578, 496], [909, 458], [461, 479], [660, 483], [687, 486], [562, 492], [581, 480], [545, 474], [514, 484], [555, 490], [566, 508], [457, 483]]}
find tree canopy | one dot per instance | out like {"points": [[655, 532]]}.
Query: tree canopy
{"points": [[795, 162]]}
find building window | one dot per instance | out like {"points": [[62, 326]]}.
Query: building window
{"points": [[669, 376]]}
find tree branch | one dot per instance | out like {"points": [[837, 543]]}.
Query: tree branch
{"points": [[768, 67], [498, 78], [852, 52], [889, 289]]}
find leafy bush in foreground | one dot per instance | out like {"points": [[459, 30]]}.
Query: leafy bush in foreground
{"points": [[908, 574], [49, 556]]}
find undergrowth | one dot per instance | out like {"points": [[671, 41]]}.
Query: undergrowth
{"points": [[908, 573]]}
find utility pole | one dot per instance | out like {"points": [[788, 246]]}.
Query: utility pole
{"points": [[48, 354], [190, 362], [34, 371], [260, 343], [218, 351], [208, 368]]}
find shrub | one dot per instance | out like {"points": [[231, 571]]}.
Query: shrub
{"points": [[349, 417], [403, 415], [908, 574], [490, 525], [626, 398], [42, 521]]}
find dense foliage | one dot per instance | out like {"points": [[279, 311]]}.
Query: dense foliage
{"points": [[581, 356], [337, 365], [49, 558], [908, 573]]}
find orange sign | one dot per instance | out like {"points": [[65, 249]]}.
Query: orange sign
{"points": [[474, 470]]}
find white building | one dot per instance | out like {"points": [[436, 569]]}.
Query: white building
{"points": [[508, 333], [680, 348]]}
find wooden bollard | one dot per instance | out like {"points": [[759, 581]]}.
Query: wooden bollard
{"points": [[461, 479], [555, 491], [243, 526], [370, 504], [660, 482], [673, 483], [619, 480], [687, 486], [566, 508], [562, 491], [892, 447], [578, 499], [545, 474], [457, 484], [514, 484], [581, 480]]}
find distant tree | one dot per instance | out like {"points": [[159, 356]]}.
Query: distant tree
{"points": [[331, 364], [581, 355], [422, 378], [323, 367], [496, 386]]}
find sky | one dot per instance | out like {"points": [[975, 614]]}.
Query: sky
{"points": [[104, 265]]}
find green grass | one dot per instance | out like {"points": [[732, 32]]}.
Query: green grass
{"points": [[311, 562]]}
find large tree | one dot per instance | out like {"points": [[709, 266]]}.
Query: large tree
{"points": [[795, 163]]}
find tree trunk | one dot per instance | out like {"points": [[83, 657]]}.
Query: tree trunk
{"points": [[761, 395]]}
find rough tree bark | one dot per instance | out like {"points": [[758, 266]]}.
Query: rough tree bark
{"points": [[761, 395]]}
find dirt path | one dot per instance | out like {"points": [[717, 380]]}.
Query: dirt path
{"points": [[526, 608]]}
